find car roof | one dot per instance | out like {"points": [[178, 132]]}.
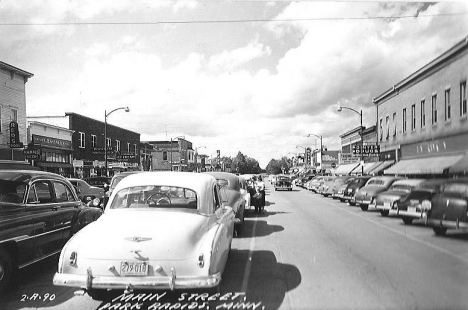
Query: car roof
{"points": [[27, 175], [411, 182], [231, 178]]}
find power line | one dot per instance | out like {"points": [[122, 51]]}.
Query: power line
{"points": [[231, 21]]}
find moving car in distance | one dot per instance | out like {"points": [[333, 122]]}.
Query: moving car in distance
{"points": [[366, 196], [161, 231], [386, 201], [283, 182], [99, 181], [231, 195], [410, 208], [87, 192], [448, 208], [39, 212]]}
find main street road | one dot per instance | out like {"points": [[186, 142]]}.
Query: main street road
{"points": [[304, 252]]}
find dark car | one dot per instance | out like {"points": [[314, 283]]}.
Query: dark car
{"points": [[367, 195], [386, 201], [99, 181], [346, 192], [39, 212], [448, 209], [283, 182], [231, 195], [410, 208], [338, 183]]}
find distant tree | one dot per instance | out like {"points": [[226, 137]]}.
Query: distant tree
{"points": [[278, 166]]}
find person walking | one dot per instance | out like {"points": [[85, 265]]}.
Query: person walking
{"points": [[260, 186]]}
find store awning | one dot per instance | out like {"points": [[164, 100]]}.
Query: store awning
{"points": [[345, 169], [54, 165], [460, 166], [428, 165], [382, 165], [365, 167]]}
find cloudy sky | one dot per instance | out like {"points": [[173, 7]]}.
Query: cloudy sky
{"points": [[251, 76]]}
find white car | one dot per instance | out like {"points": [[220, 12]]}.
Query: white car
{"points": [[159, 230]]}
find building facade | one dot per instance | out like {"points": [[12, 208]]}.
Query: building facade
{"points": [[12, 115], [173, 155], [422, 120]]}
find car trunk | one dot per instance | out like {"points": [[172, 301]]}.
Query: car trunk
{"points": [[449, 208]]}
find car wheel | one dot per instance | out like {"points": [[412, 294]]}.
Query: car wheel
{"points": [[439, 231], [6, 270], [364, 207], [342, 200], [384, 212], [352, 203], [97, 294], [407, 220]]}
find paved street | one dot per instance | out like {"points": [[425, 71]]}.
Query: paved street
{"points": [[304, 252]]}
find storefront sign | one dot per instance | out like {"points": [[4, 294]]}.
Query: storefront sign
{"points": [[14, 136], [54, 142], [102, 151], [32, 153], [436, 146]]}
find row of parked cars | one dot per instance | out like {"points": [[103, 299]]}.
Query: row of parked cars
{"points": [[158, 230], [441, 203]]}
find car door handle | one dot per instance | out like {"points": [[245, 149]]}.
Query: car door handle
{"points": [[55, 208]]}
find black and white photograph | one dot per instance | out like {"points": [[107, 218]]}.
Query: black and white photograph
{"points": [[233, 154]]}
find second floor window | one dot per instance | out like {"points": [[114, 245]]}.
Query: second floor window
{"points": [[394, 124], [381, 129], [447, 105], [81, 140], [108, 142], [128, 147], [463, 98], [164, 155], [117, 146], [434, 109], [387, 127], [135, 149], [93, 141], [413, 117], [14, 115], [423, 113], [404, 120]]}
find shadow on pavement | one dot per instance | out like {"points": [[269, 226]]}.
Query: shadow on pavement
{"points": [[263, 229], [267, 284], [33, 288]]}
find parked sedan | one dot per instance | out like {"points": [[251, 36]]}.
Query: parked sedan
{"points": [[386, 200], [231, 194], [448, 209], [410, 208], [327, 187], [338, 183], [366, 196], [87, 192], [161, 231], [346, 192], [39, 212]]}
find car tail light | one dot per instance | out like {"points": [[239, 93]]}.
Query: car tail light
{"points": [[426, 205], [201, 261], [73, 258]]}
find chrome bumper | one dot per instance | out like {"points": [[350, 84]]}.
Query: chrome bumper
{"points": [[105, 282], [446, 224]]}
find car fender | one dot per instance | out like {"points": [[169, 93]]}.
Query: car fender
{"points": [[84, 217]]}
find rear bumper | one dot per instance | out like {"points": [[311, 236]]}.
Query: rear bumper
{"points": [[113, 282]]}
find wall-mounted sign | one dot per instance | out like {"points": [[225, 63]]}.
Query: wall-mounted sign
{"points": [[101, 150], [32, 153], [54, 142], [14, 136]]}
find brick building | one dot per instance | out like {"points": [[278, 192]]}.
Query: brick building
{"points": [[175, 155], [422, 120]]}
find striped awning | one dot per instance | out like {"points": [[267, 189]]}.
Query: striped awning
{"points": [[427, 165]]}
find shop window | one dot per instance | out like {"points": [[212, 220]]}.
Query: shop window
{"points": [[413, 117], [394, 124], [423, 113], [164, 155], [117, 145], [93, 141]]}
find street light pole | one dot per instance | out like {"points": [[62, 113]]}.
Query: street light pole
{"points": [[321, 148], [106, 115], [361, 134]]}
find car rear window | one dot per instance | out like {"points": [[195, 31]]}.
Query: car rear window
{"points": [[457, 188], [376, 182], [401, 188], [155, 196]]}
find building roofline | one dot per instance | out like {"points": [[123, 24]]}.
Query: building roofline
{"points": [[461, 45], [358, 128], [15, 69], [73, 113], [52, 126]]}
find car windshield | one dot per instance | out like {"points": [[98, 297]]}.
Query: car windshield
{"points": [[155, 196], [12, 192], [376, 182], [457, 188], [222, 182]]}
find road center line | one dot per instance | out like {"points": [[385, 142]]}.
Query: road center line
{"points": [[248, 266], [403, 234]]}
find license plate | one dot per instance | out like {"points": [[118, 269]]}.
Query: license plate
{"points": [[386, 205], [411, 209], [133, 269]]}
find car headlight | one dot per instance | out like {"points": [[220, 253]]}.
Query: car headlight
{"points": [[426, 205]]}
